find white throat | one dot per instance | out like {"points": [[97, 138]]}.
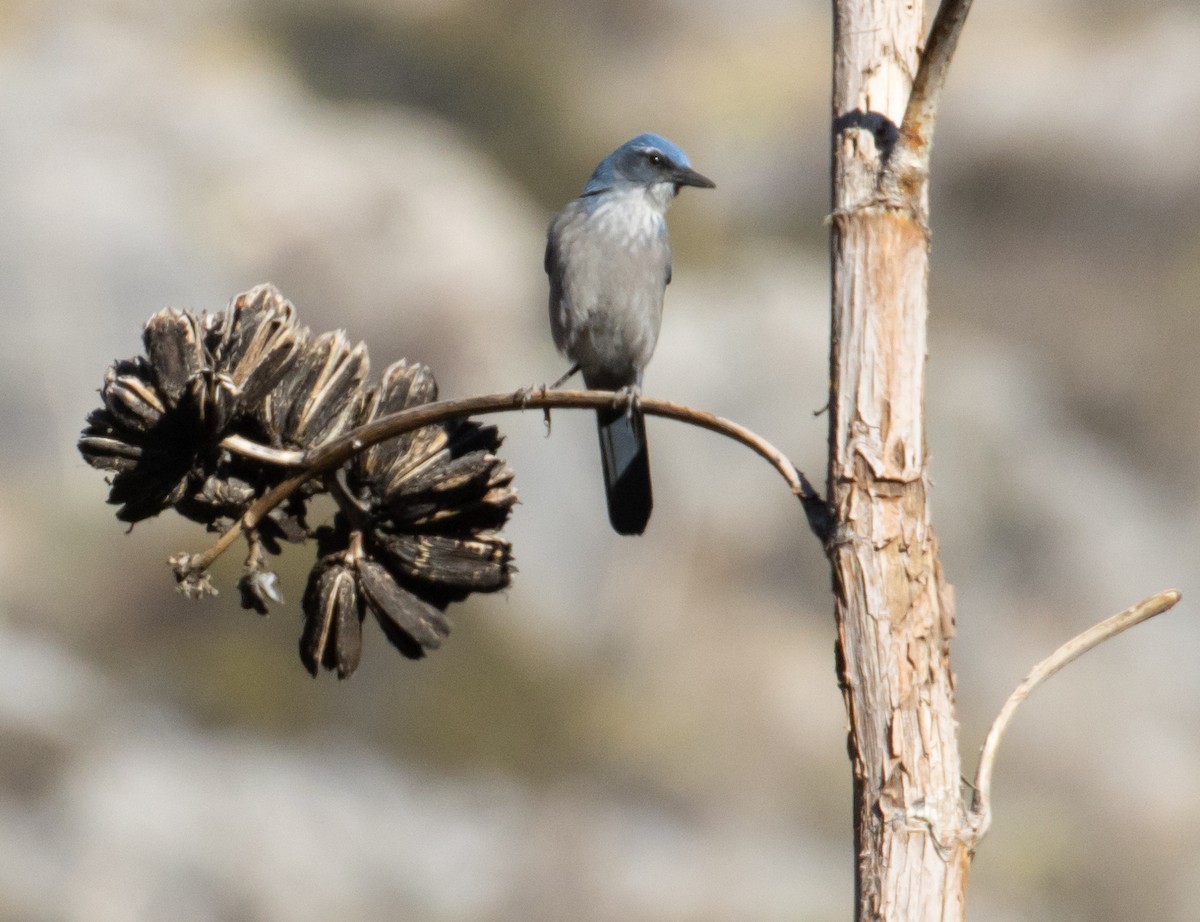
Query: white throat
{"points": [[660, 195]]}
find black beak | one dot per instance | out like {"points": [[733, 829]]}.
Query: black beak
{"points": [[686, 176]]}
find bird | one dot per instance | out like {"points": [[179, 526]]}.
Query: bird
{"points": [[608, 258]]}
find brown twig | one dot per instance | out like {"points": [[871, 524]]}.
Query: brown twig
{"points": [[328, 457], [981, 807], [904, 177], [281, 457]]}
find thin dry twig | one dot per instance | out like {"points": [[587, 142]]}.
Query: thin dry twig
{"points": [[247, 448], [329, 457], [981, 806], [908, 164]]}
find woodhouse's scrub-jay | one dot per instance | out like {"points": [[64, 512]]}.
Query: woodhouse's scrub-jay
{"points": [[609, 261]]}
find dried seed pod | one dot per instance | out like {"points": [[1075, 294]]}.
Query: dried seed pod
{"points": [[455, 494], [411, 624], [255, 342], [130, 395], [174, 343], [332, 634], [439, 495], [259, 587], [477, 564], [101, 449], [321, 394], [404, 385]]}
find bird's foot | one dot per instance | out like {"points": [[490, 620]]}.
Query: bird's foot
{"points": [[524, 394], [628, 398]]}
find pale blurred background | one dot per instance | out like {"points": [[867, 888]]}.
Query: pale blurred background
{"points": [[640, 729]]}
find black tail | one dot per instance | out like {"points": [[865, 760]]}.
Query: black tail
{"points": [[626, 461]]}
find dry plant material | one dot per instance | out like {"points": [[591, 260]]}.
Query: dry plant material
{"points": [[222, 409]]}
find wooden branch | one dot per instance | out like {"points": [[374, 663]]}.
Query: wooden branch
{"points": [[332, 455], [981, 806], [930, 80], [904, 179]]}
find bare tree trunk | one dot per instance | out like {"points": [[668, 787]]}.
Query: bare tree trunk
{"points": [[895, 615]]}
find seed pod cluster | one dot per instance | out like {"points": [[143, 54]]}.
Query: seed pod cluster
{"points": [[222, 408]]}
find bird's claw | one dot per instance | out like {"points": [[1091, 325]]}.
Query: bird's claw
{"points": [[628, 398], [523, 395]]}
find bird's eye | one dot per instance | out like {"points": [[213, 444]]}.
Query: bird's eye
{"points": [[655, 158]]}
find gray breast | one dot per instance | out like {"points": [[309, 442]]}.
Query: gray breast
{"points": [[608, 263]]}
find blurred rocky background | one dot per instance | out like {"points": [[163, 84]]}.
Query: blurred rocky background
{"points": [[640, 729]]}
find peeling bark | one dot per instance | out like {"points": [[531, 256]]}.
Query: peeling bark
{"points": [[895, 612]]}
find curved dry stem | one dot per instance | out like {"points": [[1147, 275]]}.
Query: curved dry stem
{"points": [[981, 806], [282, 457], [328, 457]]}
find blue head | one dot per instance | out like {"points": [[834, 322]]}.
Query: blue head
{"points": [[647, 160]]}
